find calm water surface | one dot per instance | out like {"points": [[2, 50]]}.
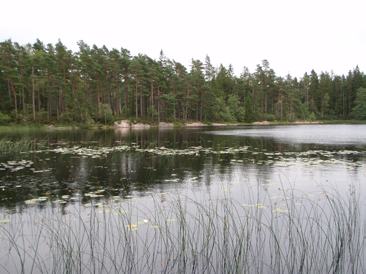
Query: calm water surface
{"points": [[295, 154], [68, 169], [337, 135]]}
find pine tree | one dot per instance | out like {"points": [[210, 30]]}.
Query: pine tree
{"points": [[359, 111], [249, 114]]}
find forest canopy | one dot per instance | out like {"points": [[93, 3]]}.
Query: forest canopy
{"points": [[50, 83]]}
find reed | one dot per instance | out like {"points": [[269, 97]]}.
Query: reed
{"points": [[182, 233], [24, 144]]}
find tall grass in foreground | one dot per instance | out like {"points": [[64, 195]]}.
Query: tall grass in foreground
{"points": [[178, 234]]}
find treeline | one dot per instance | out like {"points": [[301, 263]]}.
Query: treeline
{"points": [[49, 82]]}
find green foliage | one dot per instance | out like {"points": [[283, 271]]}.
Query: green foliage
{"points": [[269, 117], [222, 112], [302, 112], [4, 119], [226, 116], [66, 118], [235, 109], [69, 87], [359, 111], [331, 115], [249, 114], [312, 116]]}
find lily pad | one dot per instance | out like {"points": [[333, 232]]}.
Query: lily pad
{"points": [[121, 212], [5, 221]]}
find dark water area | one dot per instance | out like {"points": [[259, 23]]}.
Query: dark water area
{"points": [[86, 181], [298, 154]]}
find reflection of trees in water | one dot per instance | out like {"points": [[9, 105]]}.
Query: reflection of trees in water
{"points": [[120, 173]]}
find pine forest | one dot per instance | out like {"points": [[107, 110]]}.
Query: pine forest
{"points": [[51, 84]]}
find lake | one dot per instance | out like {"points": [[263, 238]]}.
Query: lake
{"points": [[254, 199]]}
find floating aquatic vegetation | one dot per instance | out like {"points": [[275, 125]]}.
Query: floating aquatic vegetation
{"points": [[93, 195], [35, 200], [171, 180], [105, 211], [268, 184], [227, 189], [14, 166], [121, 212], [248, 205], [96, 153], [5, 221], [276, 159], [99, 204], [280, 210]]}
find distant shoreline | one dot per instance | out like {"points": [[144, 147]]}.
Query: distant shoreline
{"points": [[132, 124]]}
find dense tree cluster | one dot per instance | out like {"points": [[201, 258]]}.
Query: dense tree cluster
{"points": [[46, 82]]}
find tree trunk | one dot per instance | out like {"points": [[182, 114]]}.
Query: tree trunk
{"points": [[23, 101], [158, 105], [201, 105], [136, 100], [59, 105], [349, 103], [9, 92], [174, 104], [33, 103], [152, 99], [39, 100], [265, 102], [118, 100], [126, 97], [98, 99], [50, 107], [15, 100], [197, 110], [178, 107], [58, 109], [141, 103], [343, 99]]}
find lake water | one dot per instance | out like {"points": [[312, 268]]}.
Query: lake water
{"points": [[52, 175]]}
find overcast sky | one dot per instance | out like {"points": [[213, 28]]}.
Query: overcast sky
{"points": [[294, 36]]}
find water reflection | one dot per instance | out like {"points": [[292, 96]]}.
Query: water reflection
{"points": [[122, 162], [303, 134], [89, 182]]}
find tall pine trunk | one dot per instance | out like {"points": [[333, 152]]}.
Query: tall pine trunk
{"points": [[15, 100], [33, 103], [136, 100], [23, 101], [141, 103], [126, 97], [152, 99]]}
